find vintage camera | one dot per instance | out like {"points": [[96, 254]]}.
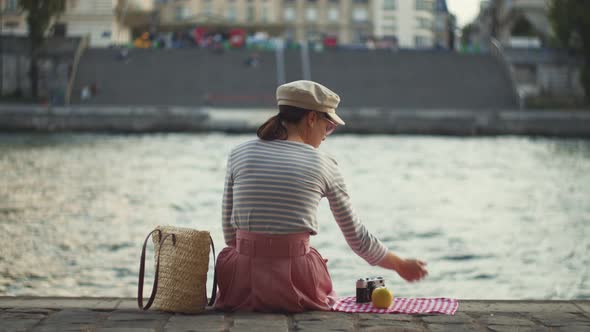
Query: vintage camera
{"points": [[365, 287]]}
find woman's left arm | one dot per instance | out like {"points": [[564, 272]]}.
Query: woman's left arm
{"points": [[229, 232]]}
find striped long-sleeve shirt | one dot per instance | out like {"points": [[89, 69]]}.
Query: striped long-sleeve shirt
{"points": [[275, 187]]}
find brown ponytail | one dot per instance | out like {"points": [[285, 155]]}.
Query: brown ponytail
{"points": [[273, 128]]}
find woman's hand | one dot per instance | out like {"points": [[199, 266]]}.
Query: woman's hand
{"points": [[412, 269], [409, 269]]}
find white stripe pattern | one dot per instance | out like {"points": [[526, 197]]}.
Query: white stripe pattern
{"points": [[275, 187]]}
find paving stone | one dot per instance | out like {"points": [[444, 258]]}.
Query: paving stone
{"points": [[80, 316], [504, 319], [31, 310], [584, 305], [562, 319], [572, 328], [504, 328], [386, 317], [207, 322], [59, 302], [457, 318], [63, 328], [391, 325], [454, 328], [20, 315], [321, 315], [518, 306], [125, 329], [332, 325], [10, 325], [259, 322], [324, 320], [144, 324], [129, 304], [127, 315]]}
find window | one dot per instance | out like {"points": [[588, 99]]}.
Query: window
{"points": [[289, 14], [389, 5], [422, 41], [264, 13], [389, 25], [424, 23], [440, 24], [250, 12], [60, 29], [231, 12], [424, 5], [265, 10], [182, 12], [360, 14], [333, 14], [11, 5], [311, 14], [208, 7], [312, 34]]}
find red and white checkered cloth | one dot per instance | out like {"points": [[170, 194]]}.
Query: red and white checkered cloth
{"points": [[400, 305]]}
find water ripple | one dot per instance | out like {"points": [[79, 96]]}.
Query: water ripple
{"points": [[502, 213]]}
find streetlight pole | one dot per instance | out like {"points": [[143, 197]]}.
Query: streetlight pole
{"points": [[123, 14], [280, 59], [305, 61]]}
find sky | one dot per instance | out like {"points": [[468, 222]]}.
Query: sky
{"points": [[465, 10]]}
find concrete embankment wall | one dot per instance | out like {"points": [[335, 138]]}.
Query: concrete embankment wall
{"points": [[366, 121], [195, 78]]}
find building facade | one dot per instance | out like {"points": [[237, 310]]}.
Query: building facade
{"points": [[513, 22], [522, 29], [349, 21], [411, 22], [101, 20]]}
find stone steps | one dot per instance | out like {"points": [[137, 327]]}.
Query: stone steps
{"points": [[196, 77]]}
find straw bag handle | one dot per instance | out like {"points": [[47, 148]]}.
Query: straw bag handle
{"points": [[155, 286], [214, 290], [142, 270]]}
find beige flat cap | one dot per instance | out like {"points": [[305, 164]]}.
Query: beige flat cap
{"points": [[311, 96]]}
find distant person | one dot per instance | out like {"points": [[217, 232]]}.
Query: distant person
{"points": [[123, 54], [273, 186], [85, 93], [253, 60]]}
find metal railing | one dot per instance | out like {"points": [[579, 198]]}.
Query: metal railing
{"points": [[498, 52], [81, 48]]}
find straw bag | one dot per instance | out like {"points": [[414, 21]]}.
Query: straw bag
{"points": [[182, 261]]}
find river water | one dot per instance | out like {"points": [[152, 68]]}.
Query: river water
{"points": [[495, 218]]}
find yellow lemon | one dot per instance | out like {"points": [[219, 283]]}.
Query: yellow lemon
{"points": [[382, 298]]}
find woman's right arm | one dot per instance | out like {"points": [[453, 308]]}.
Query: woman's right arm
{"points": [[361, 240]]}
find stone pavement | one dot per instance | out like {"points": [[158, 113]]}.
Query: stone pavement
{"points": [[122, 314]]}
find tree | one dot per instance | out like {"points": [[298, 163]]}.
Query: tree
{"points": [[467, 34], [571, 23], [39, 16]]}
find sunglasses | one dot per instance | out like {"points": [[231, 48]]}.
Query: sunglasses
{"points": [[331, 126]]}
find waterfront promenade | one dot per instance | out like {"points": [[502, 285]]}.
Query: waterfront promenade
{"points": [[147, 119], [122, 314]]}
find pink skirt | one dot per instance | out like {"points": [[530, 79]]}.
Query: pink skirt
{"points": [[272, 273]]}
